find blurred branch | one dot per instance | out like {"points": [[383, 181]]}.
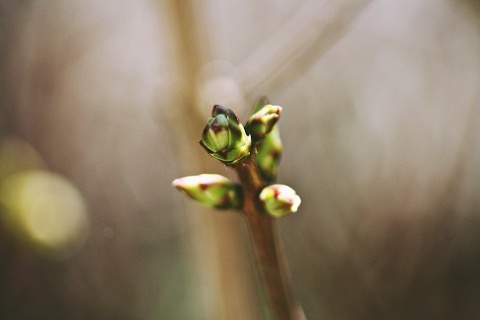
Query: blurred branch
{"points": [[217, 244], [297, 45]]}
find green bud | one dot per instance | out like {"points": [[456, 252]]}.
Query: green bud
{"points": [[224, 137], [263, 121], [211, 190], [279, 200], [269, 153], [269, 150]]}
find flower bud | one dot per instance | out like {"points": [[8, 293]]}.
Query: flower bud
{"points": [[269, 153], [211, 190], [224, 137], [279, 200], [263, 121]]}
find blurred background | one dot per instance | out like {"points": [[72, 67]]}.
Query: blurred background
{"points": [[101, 107]]}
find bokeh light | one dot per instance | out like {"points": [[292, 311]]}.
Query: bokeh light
{"points": [[42, 209], [17, 155]]}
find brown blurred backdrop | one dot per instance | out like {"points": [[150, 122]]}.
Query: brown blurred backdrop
{"points": [[101, 107]]}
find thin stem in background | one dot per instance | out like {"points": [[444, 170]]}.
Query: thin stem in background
{"points": [[217, 246], [296, 46]]}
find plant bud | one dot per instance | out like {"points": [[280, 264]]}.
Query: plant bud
{"points": [[269, 153], [224, 137], [263, 121], [279, 200], [211, 190]]}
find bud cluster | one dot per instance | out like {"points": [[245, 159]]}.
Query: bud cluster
{"points": [[227, 140]]}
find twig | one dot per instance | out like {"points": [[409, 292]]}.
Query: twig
{"points": [[268, 251]]}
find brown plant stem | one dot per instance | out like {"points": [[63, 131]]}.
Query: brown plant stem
{"points": [[268, 250]]}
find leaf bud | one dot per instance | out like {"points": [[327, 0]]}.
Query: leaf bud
{"points": [[263, 121], [279, 200], [224, 137], [211, 190]]}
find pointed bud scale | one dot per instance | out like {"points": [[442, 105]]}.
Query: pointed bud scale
{"points": [[279, 200], [262, 121], [269, 153], [261, 102], [224, 137], [211, 190]]}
